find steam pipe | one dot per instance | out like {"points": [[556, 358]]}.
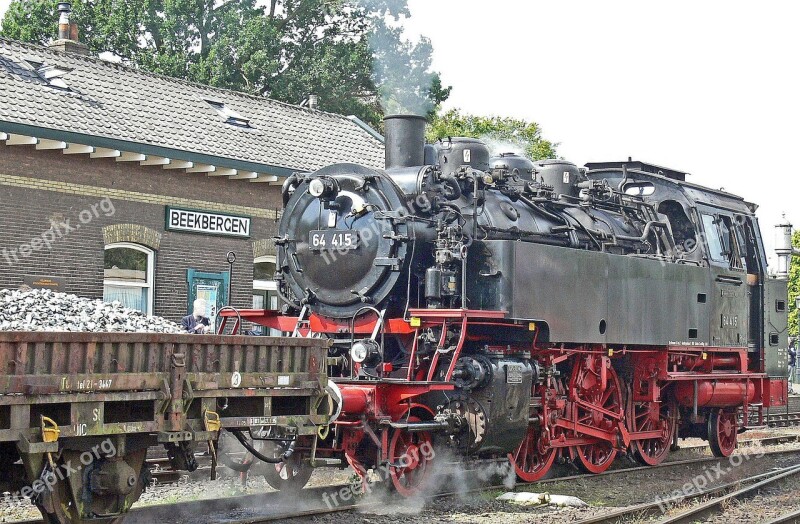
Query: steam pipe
{"points": [[646, 233], [419, 426], [288, 185], [624, 177]]}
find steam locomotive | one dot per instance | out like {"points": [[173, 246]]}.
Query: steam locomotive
{"points": [[536, 311]]}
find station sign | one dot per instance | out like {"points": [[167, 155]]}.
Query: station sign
{"points": [[207, 222]]}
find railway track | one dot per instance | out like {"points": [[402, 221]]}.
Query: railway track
{"points": [[279, 507], [718, 499], [627, 470], [163, 472], [787, 518], [317, 493]]}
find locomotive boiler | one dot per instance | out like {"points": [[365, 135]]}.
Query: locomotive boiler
{"points": [[499, 307]]}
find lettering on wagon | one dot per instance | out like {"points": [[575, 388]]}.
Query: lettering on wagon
{"points": [[86, 384]]}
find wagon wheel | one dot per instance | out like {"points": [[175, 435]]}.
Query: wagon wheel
{"points": [[653, 416], [410, 459], [534, 456], [722, 433], [291, 475], [588, 387], [232, 454], [58, 506]]}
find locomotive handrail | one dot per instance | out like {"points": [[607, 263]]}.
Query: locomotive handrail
{"points": [[222, 321], [378, 326]]}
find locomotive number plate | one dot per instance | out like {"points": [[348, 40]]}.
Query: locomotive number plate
{"points": [[333, 239], [513, 374]]}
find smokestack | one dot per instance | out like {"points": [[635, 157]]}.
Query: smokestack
{"points": [[405, 140], [313, 102], [68, 33]]}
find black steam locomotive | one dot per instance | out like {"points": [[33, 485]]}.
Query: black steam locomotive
{"points": [[531, 310]]}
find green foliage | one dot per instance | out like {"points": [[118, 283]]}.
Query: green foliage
{"points": [[510, 132], [346, 51], [794, 286]]}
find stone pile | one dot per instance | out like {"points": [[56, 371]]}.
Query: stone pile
{"points": [[46, 310]]}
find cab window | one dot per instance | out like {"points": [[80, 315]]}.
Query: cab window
{"points": [[713, 238], [731, 242]]}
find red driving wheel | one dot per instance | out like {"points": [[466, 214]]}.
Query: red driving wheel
{"points": [[722, 431], [534, 456], [589, 388], [410, 458], [653, 416]]}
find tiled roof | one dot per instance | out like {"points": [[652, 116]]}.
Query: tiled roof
{"points": [[120, 103]]}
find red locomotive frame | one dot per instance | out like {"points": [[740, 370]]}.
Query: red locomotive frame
{"points": [[588, 417]]}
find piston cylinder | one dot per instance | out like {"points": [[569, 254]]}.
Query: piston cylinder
{"points": [[354, 400]]}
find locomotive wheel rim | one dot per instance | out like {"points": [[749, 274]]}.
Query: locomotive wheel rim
{"points": [[722, 434], [534, 457], [596, 457], [404, 448], [652, 452]]}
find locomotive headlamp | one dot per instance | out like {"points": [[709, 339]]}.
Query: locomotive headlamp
{"points": [[364, 351], [322, 188]]}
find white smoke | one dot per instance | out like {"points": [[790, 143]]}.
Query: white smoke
{"points": [[401, 65], [498, 146]]}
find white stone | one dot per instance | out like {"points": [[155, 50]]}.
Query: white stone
{"points": [[45, 310]]}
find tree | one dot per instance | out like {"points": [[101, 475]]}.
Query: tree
{"points": [[285, 50], [794, 287], [502, 133]]}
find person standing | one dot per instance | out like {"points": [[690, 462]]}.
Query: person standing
{"points": [[197, 323]]}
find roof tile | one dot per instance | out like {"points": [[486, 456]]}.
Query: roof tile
{"points": [[113, 101]]}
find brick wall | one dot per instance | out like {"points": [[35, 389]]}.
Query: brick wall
{"points": [[41, 187]]}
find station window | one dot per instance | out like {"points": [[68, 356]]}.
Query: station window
{"points": [[128, 276]]}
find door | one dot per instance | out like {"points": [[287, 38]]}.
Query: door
{"points": [[730, 310]]}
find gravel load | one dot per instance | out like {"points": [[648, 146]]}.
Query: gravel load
{"points": [[46, 310]]}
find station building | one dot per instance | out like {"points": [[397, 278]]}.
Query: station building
{"points": [[130, 186]]}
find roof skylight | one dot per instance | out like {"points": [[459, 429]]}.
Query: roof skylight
{"points": [[50, 74], [230, 116]]}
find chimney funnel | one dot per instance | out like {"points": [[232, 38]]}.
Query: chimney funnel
{"points": [[313, 101], [64, 10], [68, 33], [405, 140]]}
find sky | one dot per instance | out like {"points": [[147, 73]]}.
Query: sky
{"points": [[711, 87]]}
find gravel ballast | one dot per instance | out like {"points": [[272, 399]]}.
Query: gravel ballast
{"points": [[46, 310]]}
